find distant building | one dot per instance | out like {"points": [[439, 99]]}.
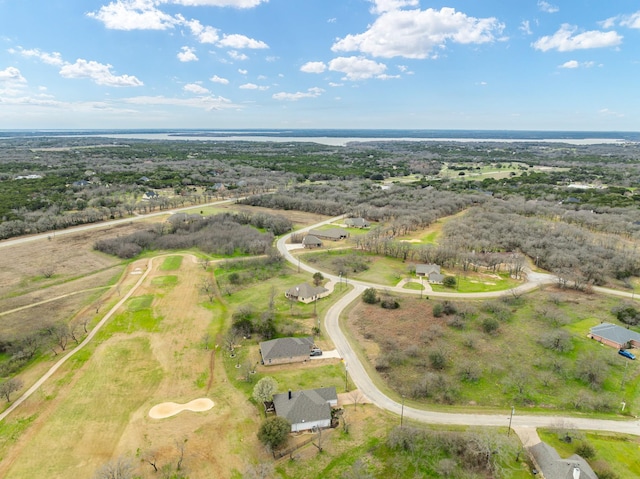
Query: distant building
{"points": [[357, 223], [306, 409], [614, 336], [311, 241], [150, 195], [334, 234], [285, 350], [305, 293], [431, 272]]}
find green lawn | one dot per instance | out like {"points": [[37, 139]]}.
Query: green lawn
{"points": [[615, 452], [171, 263], [479, 284]]}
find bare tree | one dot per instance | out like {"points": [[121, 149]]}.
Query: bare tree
{"points": [[204, 263], [151, 458], [208, 288], [181, 446], [48, 270], [120, 468], [356, 396], [10, 386]]}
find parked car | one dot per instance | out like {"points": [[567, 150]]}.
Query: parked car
{"points": [[316, 352], [626, 354]]}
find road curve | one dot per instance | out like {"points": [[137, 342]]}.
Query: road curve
{"points": [[361, 379]]}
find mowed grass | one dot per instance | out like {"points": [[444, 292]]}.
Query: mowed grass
{"points": [[85, 428], [171, 263], [618, 452], [479, 283], [165, 281], [138, 316]]}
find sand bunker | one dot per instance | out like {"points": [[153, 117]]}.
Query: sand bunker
{"points": [[168, 409]]}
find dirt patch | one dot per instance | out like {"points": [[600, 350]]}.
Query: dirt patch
{"points": [[168, 409]]}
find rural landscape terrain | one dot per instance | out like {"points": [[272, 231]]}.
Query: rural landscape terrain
{"points": [[457, 293]]}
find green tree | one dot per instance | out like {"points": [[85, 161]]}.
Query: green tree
{"points": [[274, 432], [449, 281], [370, 296], [318, 278], [264, 389]]}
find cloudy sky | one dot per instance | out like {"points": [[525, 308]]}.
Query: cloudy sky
{"points": [[459, 64]]}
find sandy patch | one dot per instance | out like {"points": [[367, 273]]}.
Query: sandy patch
{"points": [[168, 409]]}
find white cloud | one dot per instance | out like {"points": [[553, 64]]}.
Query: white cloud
{"points": [[217, 79], [218, 3], [133, 15], [187, 55], [240, 41], [237, 55], [313, 67], [195, 88], [564, 40], [202, 102], [547, 7], [384, 76], [11, 74], [335, 85], [525, 27], [381, 6], [629, 21], [242, 71], [97, 72], [204, 34], [575, 64], [49, 58], [356, 68], [313, 92], [415, 33], [253, 86]]}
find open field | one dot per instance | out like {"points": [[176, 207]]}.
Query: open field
{"points": [[474, 365]]}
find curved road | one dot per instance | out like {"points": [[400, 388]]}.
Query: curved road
{"points": [[523, 425]]}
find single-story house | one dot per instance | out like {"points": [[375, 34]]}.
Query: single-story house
{"points": [[334, 234], [357, 223], [305, 293], [311, 241], [285, 350], [306, 409], [430, 271], [614, 336], [151, 195], [553, 466]]}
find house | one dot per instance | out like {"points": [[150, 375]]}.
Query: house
{"points": [[357, 223], [430, 271], [334, 234], [285, 350], [151, 195], [614, 336], [305, 293], [306, 409], [553, 466], [311, 241]]}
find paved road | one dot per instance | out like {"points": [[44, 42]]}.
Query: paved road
{"points": [[522, 424], [106, 224]]}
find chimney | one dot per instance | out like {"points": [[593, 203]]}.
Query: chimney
{"points": [[289, 393]]}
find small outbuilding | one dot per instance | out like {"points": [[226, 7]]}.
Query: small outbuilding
{"points": [[357, 223]]}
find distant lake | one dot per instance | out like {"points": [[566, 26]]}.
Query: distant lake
{"points": [[344, 137]]}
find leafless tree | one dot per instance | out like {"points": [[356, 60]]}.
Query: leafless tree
{"points": [[120, 468], [9, 387], [356, 396], [151, 458], [181, 446], [48, 270], [204, 263], [208, 288]]}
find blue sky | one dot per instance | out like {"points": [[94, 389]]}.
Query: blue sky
{"points": [[460, 64]]}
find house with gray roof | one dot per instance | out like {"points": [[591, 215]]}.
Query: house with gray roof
{"points": [[615, 336], [430, 271], [305, 293], [551, 465], [311, 241], [333, 234], [306, 409], [357, 223], [285, 350]]}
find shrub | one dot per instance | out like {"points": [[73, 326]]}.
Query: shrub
{"points": [[437, 310], [274, 431], [490, 325], [370, 296], [627, 314], [449, 281], [585, 450], [389, 303]]}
